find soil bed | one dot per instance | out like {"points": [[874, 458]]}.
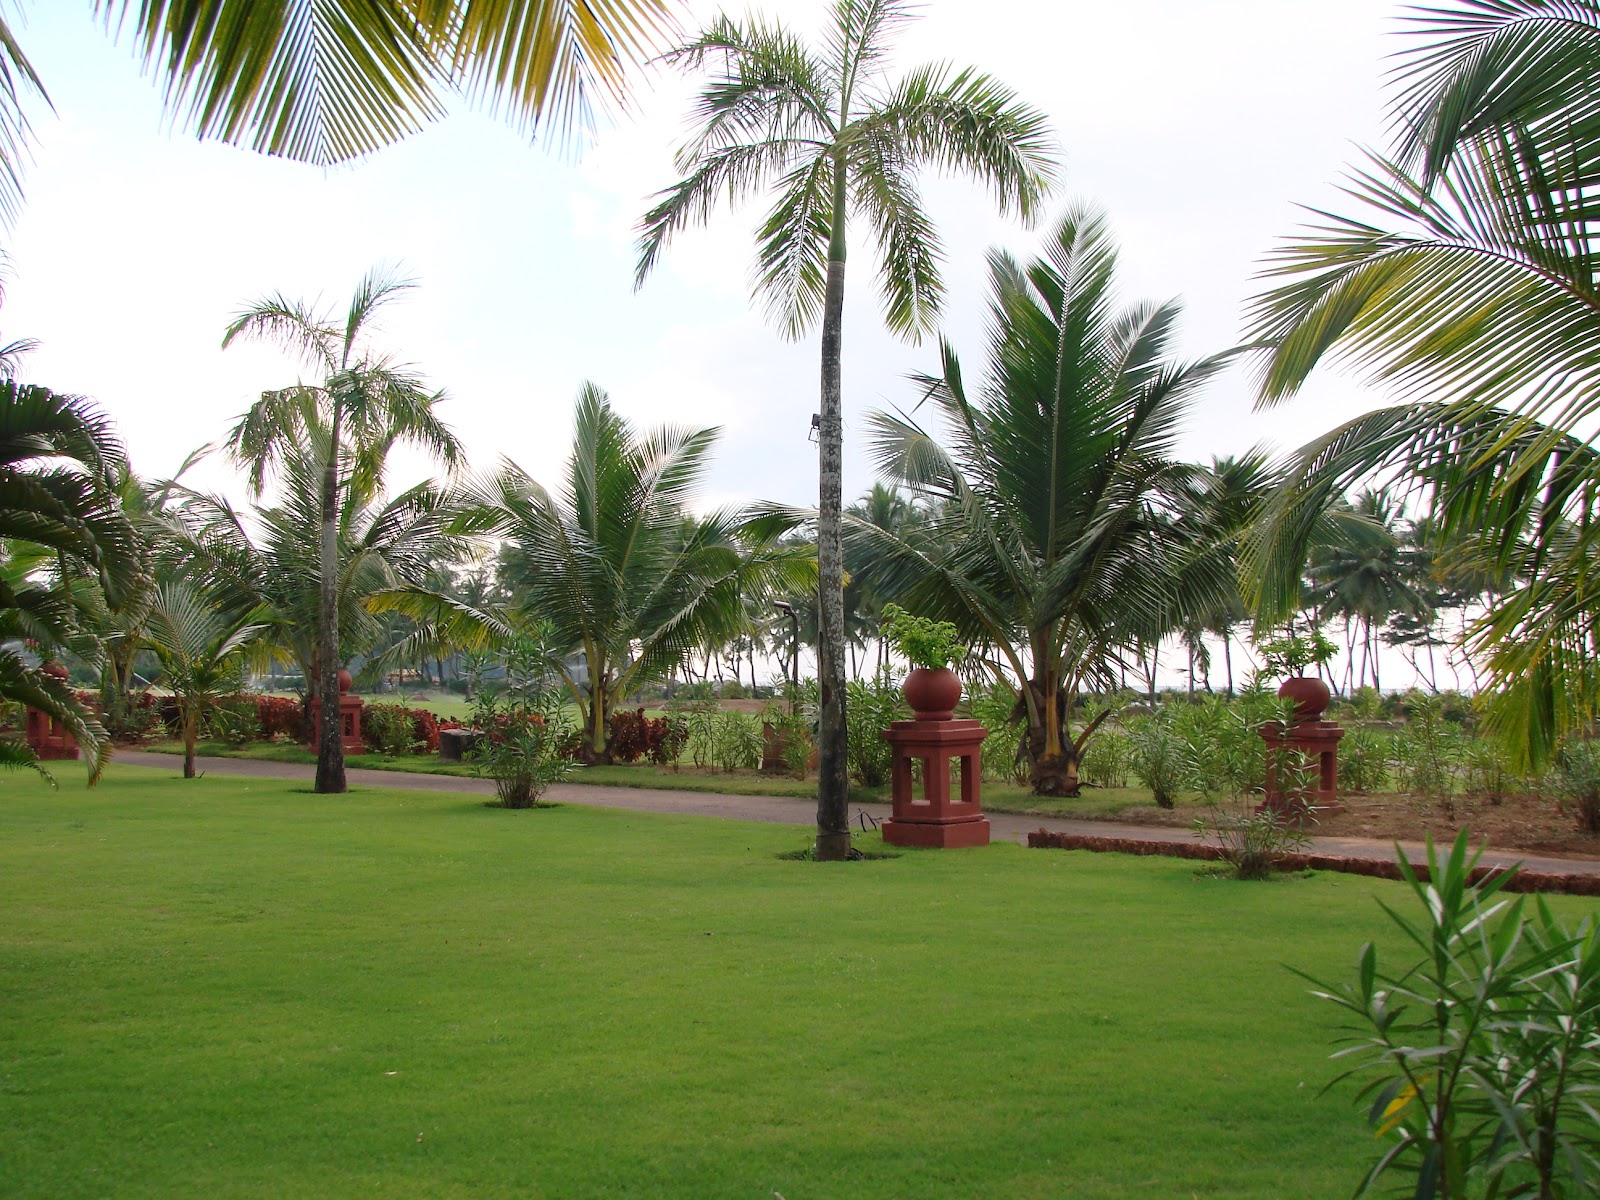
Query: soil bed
{"points": [[1531, 823]]}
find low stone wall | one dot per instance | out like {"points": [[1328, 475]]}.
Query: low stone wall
{"points": [[1523, 881]]}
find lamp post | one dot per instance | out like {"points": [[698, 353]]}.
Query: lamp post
{"points": [[794, 653]]}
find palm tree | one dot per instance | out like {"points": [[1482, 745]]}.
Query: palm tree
{"points": [[624, 577], [836, 139], [61, 530], [202, 654], [1057, 535], [1472, 286], [1363, 575], [363, 406], [265, 565], [335, 80]]}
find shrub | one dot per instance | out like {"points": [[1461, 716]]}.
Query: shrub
{"points": [[280, 715], [870, 708], [1429, 748], [526, 744], [396, 730], [1159, 757], [232, 720], [993, 705], [1106, 759], [1479, 1052], [1577, 776], [737, 744], [630, 736], [792, 730], [1251, 839], [1363, 761]]}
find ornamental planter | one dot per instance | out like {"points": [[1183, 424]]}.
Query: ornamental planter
{"points": [[1310, 696], [932, 693]]}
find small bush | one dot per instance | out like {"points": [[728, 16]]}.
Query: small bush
{"points": [[280, 715], [1251, 839], [1577, 776], [1363, 761], [1106, 759], [232, 720], [870, 708], [631, 736], [396, 730], [1159, 757]]}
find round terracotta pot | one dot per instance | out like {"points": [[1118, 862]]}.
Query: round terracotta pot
{"points": [[932, 692], [53, 669], [1310, 696], [344, 681]]}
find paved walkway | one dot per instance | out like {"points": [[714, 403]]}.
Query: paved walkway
{"points": [[793, 810]]}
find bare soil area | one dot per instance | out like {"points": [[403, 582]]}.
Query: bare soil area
{"points": [[1530, 823]]}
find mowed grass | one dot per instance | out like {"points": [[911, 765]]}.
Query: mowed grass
{"points": [[997, 797], [235, 988]]}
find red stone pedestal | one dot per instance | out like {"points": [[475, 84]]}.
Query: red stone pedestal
{"points": [[349, 718], [936, 818], [1318, 740], [46, 736]]}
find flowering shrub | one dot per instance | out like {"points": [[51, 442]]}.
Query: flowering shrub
{"points": [[394, 729], [631, 736], [280, 715]]}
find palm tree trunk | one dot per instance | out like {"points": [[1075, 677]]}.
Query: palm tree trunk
{"points": [[330, 745], [833, 779], [191, 733], [1227, 657]]}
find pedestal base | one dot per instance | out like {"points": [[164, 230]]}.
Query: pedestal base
{"points": [[953, 836]]}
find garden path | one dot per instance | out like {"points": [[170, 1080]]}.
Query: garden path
{"points": [[794, 810]]}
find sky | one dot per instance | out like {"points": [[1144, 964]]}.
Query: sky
{"points": [[1198, 126]]}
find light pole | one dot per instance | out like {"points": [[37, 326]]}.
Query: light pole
{"points": [[794, 653]]}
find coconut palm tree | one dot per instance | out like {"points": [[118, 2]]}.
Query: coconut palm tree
{"points": [[61, 531], [334, 80], [363, 405], [265, 565], [202, 652], [836, 139], [625, 578], [1470, 285], [1057, 530]]}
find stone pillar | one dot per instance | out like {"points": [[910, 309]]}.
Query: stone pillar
{"points": [[349, 717], [46, 736], [937, 818]]}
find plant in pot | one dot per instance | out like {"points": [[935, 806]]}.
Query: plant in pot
{"points": [[933, 648], [1287, 658]]}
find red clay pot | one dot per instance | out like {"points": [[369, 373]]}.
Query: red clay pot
{"points": [[344, 681], [1310, 696], [932, 692]]}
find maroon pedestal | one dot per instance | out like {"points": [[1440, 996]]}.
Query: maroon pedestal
{"points": [[936, 818], [47, 737], [349, 718], [1315, 739]]}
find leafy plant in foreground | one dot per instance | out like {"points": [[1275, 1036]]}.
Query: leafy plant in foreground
{"points": [[1484, 1054]]}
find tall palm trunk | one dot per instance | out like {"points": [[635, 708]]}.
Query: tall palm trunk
{"points": [[330, 745], [191, 734], [833, 780]]}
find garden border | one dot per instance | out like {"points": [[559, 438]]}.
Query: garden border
{"points": [[1375, 868]]}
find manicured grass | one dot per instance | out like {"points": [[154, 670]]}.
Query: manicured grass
{"points": [[997, 797], [236, 988]]}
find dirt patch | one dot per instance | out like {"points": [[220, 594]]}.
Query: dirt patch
{"points": [[1527, 823]]}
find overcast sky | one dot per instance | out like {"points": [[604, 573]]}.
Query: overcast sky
{"points": [[1198, 125]]}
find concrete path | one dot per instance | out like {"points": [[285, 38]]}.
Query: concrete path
{"points": [[793, 810]]}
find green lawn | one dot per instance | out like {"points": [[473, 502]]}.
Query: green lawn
{"points": [[997, 797], [234, 987]]}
